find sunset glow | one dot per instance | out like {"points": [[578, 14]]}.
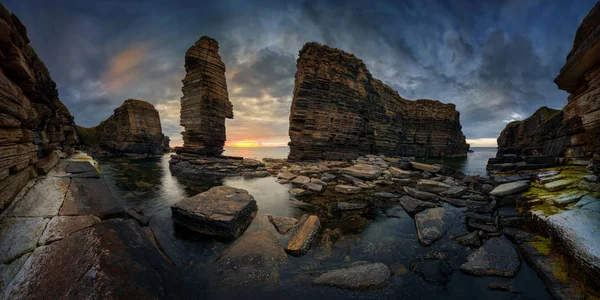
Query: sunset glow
{"points": [[245, 143]]}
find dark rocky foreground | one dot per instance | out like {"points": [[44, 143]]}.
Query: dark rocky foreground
{"points": [[134, 128], [339, 111]]}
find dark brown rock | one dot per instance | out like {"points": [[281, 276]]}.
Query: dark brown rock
{"points": [[205, 103], [222, 211], [33, 120], [339, 111], [133, 128], [573, 133]]}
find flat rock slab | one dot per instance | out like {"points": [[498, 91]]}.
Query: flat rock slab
{"points": [[44, 199], [80, 167], [222, 211], [425, 167], [413, 206], [559, 184], [113, 259], [364, 171], [90, 196], [577, 230], [252, 259], [567, 197], [360, 277], [431, 186], [497, 257], [430, 225], [286, 175], [426, 196], [510, 189], [455, 191], [10, 270], [283, 224], [385, 195], [19, 235], [61, 226], [351, 206], [302, 239], [347, 189]]}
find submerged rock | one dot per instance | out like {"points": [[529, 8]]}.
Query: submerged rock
{"points": [[359, 277], [497, 257], [302, 239], [472, 239], [430, 225], [222, 211], [252, 260], [433, 267]]}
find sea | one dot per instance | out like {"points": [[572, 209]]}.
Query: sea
{"points": [[473, 164]]}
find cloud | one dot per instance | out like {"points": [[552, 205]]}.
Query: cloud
{"points": [[494, 59]]}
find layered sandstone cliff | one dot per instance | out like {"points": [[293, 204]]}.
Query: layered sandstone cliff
{"points": [[573, 134], [205, 103], [33, 121], [133, 128], [339, 111]]}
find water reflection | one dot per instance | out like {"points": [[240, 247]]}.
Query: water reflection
{"points": [[473, 164]]}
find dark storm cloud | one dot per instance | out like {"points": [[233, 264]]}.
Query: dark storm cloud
{"points": [[494, 59]]}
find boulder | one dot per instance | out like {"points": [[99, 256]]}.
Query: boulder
{"points": [[302, 239], [431, 186], [425, 167], [510, 189], [364, 171], [222, 211], [283, 224], [421, 195], [430, 225], [497, 257], [359, 277], [413, 206], [347, 189]]}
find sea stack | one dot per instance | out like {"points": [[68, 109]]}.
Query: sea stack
{"points": [[339, 112], [568, 136], [133, 128], [204, 107], [34, 123], [205, 103]]}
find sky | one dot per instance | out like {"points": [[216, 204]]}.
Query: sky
{"points": [[496, 60]]}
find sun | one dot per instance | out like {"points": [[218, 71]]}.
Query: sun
{"points": [[245, 143]]}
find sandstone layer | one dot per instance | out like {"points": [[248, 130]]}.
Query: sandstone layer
{"points": [[33, 121], [339, 111], [133, 128], [571, 135], [205, 103]]}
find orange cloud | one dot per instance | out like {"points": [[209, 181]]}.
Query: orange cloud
{"points": [[124, 67]]}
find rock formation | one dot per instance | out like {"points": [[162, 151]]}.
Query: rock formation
{"points": [[133, 128], [33, 121], [205, 103], [571, 135], [166, 143], [339, 111]]}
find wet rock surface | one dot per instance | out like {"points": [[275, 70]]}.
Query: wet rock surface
{"points": [[223, 212], [496, 257], [430, 225], [302, 239], [359, 277]]}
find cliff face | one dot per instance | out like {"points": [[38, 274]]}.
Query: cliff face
{"points": [[339, 111], [33, 121], [133, 128], [205, 103], [573, 134]]}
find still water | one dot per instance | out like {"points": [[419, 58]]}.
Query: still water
{"points": [[368, 235]]}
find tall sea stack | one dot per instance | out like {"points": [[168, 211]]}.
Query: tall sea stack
{"points": [[339, 111], [205, 103], [570, 135], [33, 121]]}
